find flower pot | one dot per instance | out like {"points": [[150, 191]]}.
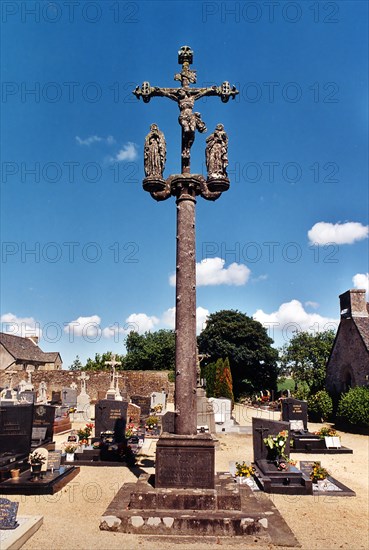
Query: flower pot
{"points": [[15, 473], [69, 457], [36, 468]]}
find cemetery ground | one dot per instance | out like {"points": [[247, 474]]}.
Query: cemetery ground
{"points": [[71, 517]]}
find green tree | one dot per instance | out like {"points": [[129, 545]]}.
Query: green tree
{"points": [[223, 380], [150, 351], [208, 372], [252, 359], [305, 358], [98, 363], [76, 365]]}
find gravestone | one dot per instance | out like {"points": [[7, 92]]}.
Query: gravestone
{"points": [[133, 413], [15, 432], [41, 394], [43, 422], [205, 412], [222, 408], [167, 422], [294, 411], [144, 402], [56, 398], [111, 416], [8, 514], [271, 476], [27, 396], [83, 400], [158, 398], [69, 398], [54, 460]]}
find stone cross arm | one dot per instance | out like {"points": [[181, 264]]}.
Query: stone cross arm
{"points": [[146, 91]]}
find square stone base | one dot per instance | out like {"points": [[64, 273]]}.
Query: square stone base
{"points": [[185, 461]]}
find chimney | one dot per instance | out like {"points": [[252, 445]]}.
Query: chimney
{"points": [[353, 303], [33, 339]]}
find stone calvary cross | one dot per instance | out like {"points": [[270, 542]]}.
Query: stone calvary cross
{"points": [[185, 187]]}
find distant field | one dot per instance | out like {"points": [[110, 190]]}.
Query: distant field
{"points": [[286, 384]]}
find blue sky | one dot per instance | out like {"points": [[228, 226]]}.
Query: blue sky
{"points": [[87, 255]]}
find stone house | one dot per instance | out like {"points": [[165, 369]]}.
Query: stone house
{"points": [[16, 353], [348, 364]]}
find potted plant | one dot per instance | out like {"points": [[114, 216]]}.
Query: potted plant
{"points": [[85, 433], [70, 449], [276, 445], [152, 422], [244, 472], [36, 461], [319, 475]]}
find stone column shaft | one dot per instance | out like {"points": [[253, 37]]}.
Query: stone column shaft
{"points": [[185, 381]]}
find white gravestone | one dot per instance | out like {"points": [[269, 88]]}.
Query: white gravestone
{"points": [[159, 398], [83, 400]]}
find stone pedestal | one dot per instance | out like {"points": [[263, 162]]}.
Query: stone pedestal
{"points": [[185, 461]]}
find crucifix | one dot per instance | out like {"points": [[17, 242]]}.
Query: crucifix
{"points": [[83, 378], [113, 363], [185, 187]]}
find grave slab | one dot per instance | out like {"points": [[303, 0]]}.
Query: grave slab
{"points": [[49, 484], [14, 540]]}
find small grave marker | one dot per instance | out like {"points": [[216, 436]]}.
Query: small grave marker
{"points": [[8, 514]]}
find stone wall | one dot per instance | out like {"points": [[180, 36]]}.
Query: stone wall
{"points": [[135, 382]]}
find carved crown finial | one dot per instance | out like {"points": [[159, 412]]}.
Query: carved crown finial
{"points": [[185, 54]]}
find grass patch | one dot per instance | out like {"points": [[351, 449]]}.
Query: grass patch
{"points": [[286, 384]]}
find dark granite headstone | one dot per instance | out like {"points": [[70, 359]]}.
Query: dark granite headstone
{"points": [[15, 430], [111, 416], [143, 401], [8, 514], [261, 428], [56, 398], [294, 409], [43, 417]]}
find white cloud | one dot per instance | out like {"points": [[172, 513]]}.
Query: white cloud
{"points": [[361, 280], [169, 318], [94, 139], [140, 322], [87, 327], [338, 233], [313, 305], [202, 315], [20, 326], [291, 317], [127, 153], [211, 272]]}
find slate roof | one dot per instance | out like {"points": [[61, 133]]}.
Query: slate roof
{"points": [[23, 349], [362, 325]]}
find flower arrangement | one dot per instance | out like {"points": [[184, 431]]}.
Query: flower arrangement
{"points": [[96, 445], [151, 422], [158, 408], [244, 470], [36, 458], [326, 431], [85, 433], [130, 430], [70, 448], [318, 472], [277, 444]]}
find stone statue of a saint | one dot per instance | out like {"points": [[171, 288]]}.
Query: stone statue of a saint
{"points": [[154, 153], [216, 153]]}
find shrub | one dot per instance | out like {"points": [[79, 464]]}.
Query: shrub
{"points": [[320, 406], [354, 406], [302, 391]]}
